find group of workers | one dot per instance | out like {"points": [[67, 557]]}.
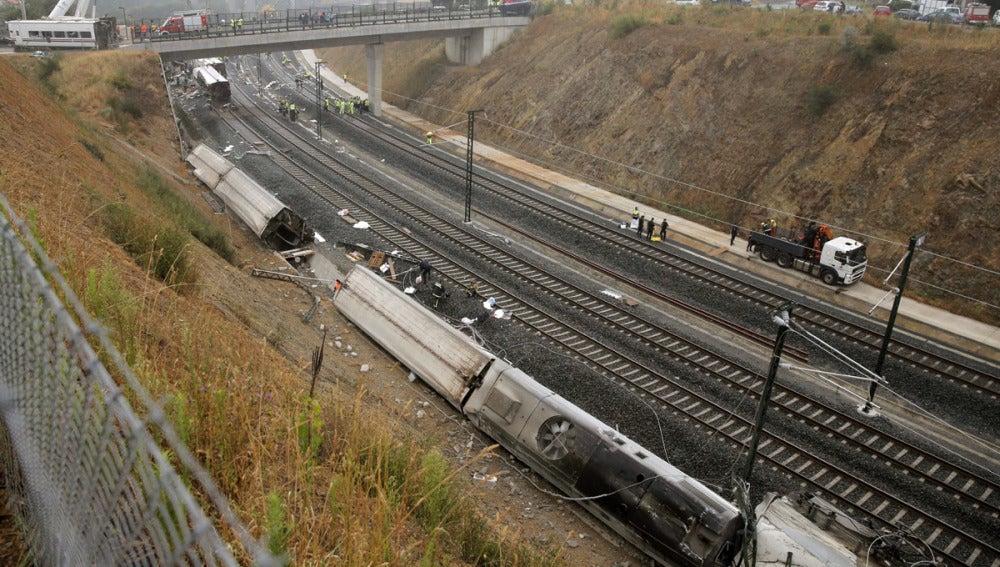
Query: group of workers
{"points": [[346, 105], [286, 108], [644, 227]]}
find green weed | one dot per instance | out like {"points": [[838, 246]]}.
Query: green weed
{"points": [[624, 24]]}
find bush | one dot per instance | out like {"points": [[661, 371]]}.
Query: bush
{"points": [[160, 249], [625, 24], [93, 149], [47, 66], [883, 41], [820, 98], [120, 82], [186, 215]]}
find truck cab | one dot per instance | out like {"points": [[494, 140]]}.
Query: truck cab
{"points": [[844, 260]]}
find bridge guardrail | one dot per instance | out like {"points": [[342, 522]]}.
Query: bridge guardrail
{"points": [[295, 20]]}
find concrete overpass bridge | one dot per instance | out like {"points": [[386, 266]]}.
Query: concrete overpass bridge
{"points": [[470, 35]]}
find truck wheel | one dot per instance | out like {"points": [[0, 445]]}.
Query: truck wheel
{"points": [[767, 253], [828, 276], [785, 260]]}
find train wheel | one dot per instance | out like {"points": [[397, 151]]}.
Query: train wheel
{"points": [[767, 253], [785, 260], [828, 276], [555, 437]]}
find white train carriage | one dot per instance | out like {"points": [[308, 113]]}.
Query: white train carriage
{"points": [[214, 82], [670, 516], [63, 32], [663, 511], [441, 356], [277, 225], [216, 63]]}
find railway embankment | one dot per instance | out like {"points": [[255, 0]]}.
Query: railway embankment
{"points": [[730, 116]]}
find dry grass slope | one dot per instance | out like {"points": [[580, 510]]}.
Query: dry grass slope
{"points": [[334, 479]]}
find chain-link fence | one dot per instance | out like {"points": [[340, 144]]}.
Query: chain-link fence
{"points": [[85, 479]]}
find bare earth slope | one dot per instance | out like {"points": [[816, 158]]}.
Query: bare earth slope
{"points": [[879, 129]]}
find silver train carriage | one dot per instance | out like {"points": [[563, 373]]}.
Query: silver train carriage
{"points": [[214, 82], [277, 225], [670, 516], [63, 32]]}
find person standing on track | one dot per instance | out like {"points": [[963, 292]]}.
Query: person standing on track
{"points": [[732, 234], [642, 222], [425, 272], [663, 229], [649, 228]]}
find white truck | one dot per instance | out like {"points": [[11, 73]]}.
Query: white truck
{"points": [[839, 260]]}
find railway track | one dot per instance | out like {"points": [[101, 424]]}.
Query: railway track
{"points": [[822, 476], [908, 353]]}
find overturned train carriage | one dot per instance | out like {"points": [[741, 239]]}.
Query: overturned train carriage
{"points": [[268, 217], [667, 514]]}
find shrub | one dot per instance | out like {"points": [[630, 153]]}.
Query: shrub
{"points": [[186, 215], [93, 149], [862, 56], [824, 27], [120, 82], [278, 528], [625, 24], [161, 249], [883, 41], [47, 66], [820, 98]]}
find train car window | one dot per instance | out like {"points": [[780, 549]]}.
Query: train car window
{"points": [[641, 455], [60, 34], [47, 34], [34, 33], [86, 34], [73, 34]]}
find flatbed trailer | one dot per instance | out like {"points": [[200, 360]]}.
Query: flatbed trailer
{"points": [[841, 260]]}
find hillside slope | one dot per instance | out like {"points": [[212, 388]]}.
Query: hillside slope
{"points": [[880, 129], [363, 471]]}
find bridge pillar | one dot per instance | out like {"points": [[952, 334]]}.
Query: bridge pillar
{"points": [[473, 47], [373, 57]]}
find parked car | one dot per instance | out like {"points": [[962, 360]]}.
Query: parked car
{"points": [[831, 6], [853, 11], [806, 4], [907, 14], [944, 15], [882, 11]]}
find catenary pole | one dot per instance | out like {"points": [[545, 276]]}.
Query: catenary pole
{"points": [[468, 164], [319, 100], [781, 317], [914, 242]]}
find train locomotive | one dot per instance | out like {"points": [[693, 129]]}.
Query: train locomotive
{"points": [[665, 513]]}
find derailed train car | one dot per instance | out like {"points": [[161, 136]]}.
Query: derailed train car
{"points": [[665, 513], [277, 225]]}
